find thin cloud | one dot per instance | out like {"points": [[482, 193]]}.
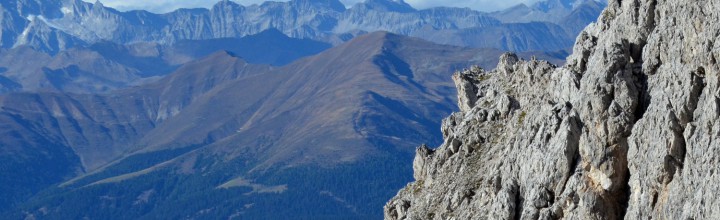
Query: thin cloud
{"points": [[163, 6]]}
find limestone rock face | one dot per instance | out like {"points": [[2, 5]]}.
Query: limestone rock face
{"points": [[628, 128]]}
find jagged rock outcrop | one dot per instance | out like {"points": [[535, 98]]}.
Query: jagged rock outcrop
{"points": [[627, 129]]}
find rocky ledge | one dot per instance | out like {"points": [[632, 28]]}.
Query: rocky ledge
{"points": [[628, 128]]}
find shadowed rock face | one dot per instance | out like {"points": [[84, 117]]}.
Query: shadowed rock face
{"points": [[626, 129]]}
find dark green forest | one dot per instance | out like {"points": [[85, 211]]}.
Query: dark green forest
{"points": [[356, 191]]}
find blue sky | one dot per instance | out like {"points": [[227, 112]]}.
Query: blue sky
{"points": [[161, 6]]}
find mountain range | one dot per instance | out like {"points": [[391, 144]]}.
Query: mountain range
{"points": [[53, 26], [283, 110], [80, 47], [106, 66], [251, 121]]}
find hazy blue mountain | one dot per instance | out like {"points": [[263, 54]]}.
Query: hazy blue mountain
{"points": [[267, 47], [107, 66], [582, 15], [50, 137], [387, 6], [554, 11], [53, 26], [240, 137]]}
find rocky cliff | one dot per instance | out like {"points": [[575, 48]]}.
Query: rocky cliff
{"points": [[628, 128]]}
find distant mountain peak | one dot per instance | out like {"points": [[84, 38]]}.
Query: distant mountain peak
{"points": [[378, 38], [228, 53], [221, 55], [334, 5], [226, 4], [563, 12], [383, 42], [389, 5], [324, 20], [272, 32], [553, 4], [549, 5]]}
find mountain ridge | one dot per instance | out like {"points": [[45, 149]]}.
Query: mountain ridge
{"points": [[70, 23], [105, 66]]}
